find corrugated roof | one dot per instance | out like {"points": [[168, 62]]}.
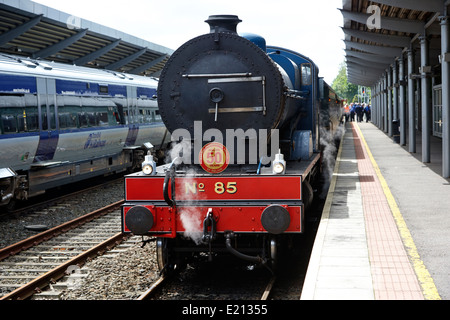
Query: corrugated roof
{"points": [[34, 30], [371, 48]]}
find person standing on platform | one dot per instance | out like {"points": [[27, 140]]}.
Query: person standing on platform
{"points": [[367, 112], [352, 112], [347, 112], [359, 112]]}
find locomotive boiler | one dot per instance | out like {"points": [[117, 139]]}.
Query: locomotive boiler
{"points": [[244, 119]]}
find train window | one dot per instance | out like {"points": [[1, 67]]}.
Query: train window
{"points": [[132, 115], [27, 120], [82, 119], [140, 116], [32, 122], [145, 116], [67, 120], [116, 117], [52, 117], [103, 89], [157, 116], [306, 74], [118, 113], [102, 118], [21, 122], [44, 118], [9, 123], [148, 118], [92, 119], [68, 116]]}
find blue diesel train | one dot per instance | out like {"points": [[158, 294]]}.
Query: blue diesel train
{"points": [[61, 123]]}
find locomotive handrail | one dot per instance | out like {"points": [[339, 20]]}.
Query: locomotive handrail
{"points": [[169, 179]]}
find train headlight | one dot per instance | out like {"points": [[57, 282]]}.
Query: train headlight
{"points": [[148, 166], [147, 169], [279, 165]]}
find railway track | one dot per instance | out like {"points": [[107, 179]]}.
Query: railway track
{"points": [[32, 264], [55, 198], [157, 285], [203, 281]]}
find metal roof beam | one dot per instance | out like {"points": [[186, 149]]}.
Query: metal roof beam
{"points": [[362, 78], [369, 57], [395, 41], [96, 54], [360, 82], [364, 72], [361, 74], [365, 81], [419, 5], [395, 24], [357, 80], [384, 51], [148, 65], [357, 75], [365, 63], [50, 50], [19, 30], [126, 60]]}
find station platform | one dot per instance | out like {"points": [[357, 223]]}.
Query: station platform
{"points": [[383, 234]]}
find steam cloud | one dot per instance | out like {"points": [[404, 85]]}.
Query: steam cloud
{"points": [[191, 217], [328, 141], [192, 222]]}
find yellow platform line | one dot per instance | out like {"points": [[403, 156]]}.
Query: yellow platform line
{"points": [[426, 281]]}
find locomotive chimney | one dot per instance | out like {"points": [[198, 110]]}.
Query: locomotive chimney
{"points": [[223, 23]]}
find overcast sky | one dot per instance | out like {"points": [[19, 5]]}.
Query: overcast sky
{"points": [[310, 27]]}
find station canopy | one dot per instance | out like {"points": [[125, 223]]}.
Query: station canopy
{"points": [[373, 43], [36, 31]]}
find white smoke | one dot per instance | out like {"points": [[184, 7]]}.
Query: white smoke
{"points": [[181, 149], [328, 142], [192, 224], [190, 215]]}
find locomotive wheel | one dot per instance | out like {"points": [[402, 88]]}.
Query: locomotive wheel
{"points": [[272, 253], [162, 255], [11, 206]]}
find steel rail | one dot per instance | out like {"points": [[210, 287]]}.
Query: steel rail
{"points": [[48, 234], [153, 288], [49, 202], [268, 289], [55, 274]]}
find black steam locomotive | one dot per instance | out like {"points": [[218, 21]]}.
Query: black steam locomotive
{"points": [[245, 122]]}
